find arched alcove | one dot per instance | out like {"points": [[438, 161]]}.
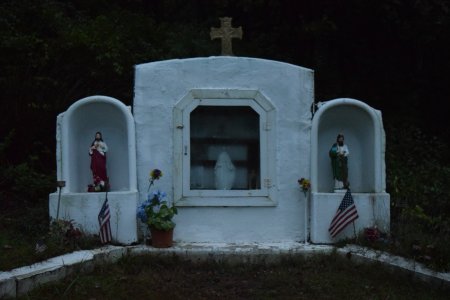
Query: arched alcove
{"points": [[80, 122], [362, 129]]}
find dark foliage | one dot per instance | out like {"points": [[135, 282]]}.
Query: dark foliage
{"points": [[393, 55]]}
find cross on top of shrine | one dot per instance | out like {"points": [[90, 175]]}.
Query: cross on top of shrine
{"points": [[226, 33]]}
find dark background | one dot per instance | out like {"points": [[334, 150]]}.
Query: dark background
{"points": [[394, 55], [391, 54]]}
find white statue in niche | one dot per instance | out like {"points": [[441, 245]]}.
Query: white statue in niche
{"points": [[224, 172]]}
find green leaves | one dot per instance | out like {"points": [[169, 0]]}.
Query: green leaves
{"points": [[162, 219]]}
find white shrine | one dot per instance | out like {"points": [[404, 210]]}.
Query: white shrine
{"points": [[232, 136]]}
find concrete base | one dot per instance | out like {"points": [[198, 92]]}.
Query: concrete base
{"points": [[373, 210], [83, 209]]}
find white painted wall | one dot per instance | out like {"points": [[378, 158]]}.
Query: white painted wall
{"points": [[160, 85], [373, 210], [363, 130], [75, 131], [77, 128], [148, 141], [364, 135], [83, 208]]}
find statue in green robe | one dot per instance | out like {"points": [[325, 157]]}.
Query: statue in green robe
{"points": [[339, 158]]}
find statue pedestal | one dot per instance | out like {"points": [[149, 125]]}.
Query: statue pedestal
{"points": [[373, 209], [83, 209]]}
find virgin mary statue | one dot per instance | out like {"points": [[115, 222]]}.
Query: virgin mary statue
{"points": [[224, 172]]}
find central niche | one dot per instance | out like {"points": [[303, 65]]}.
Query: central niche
{"points": [[225, 148]]}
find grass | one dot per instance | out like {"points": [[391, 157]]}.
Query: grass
{"points": [[17, 251], [433, 253], [318, 277], [19, 235], [408, 239], [18, 238], [294, 277]]}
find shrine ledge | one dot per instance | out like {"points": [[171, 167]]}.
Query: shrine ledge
{"points": [[19, 281]]}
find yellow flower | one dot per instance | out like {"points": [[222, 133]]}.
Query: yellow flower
{"points": [[305, 184], [155, 174]]}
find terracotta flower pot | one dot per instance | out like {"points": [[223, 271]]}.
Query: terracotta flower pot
{"points": [[161, 238]]}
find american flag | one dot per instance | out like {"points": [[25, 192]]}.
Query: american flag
{"points": [[345, 214], [103, 221]]}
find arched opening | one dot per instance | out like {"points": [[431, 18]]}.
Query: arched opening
{"points": [[80, 123], [361, 128]]}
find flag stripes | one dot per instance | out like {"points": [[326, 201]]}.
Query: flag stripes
{"points": [[104, 222], [345, 214]]}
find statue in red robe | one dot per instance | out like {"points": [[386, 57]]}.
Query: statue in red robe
{"points": [[97, 151]]}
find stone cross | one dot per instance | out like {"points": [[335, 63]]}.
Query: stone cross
{"points": [[226, 33]]}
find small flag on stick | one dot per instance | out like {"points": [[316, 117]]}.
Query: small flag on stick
{"points": [[345, 214], [103, 221]]}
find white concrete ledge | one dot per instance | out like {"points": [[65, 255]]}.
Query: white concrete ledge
{"points": [[22, 280], [235, 253], [417, 270], [7, 285]]}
